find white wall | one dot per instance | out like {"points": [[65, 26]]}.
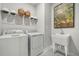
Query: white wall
{"points": [[0, 20], [44, 22], [74, 32], [41, 17], [48, 40], [15, 6]]}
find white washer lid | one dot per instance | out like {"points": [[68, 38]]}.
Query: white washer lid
{"points": [[35, 33]]}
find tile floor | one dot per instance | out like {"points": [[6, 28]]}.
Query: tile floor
{"points": [[49, 52]]}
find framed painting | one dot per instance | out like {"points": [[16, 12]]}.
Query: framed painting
{"points": [[64, 15]]}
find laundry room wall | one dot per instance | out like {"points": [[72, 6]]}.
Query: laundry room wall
{"points": [[0, 21], [40, 15], [15, 6], [44, 22], [74, 32], [48, 40]]}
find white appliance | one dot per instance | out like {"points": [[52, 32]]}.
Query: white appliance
{"points": [[14, 44], [35, 44]]}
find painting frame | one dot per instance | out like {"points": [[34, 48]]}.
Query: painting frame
{"points": [[73, 11]]}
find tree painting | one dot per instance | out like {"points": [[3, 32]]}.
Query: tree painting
{"points": [[64, 15]]}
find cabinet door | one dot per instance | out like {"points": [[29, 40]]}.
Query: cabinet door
{"points": [[23, 46], [14, 46], [9, 47], [36, 44]]}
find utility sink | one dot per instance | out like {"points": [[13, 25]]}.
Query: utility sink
{"points": [[61, 38]]}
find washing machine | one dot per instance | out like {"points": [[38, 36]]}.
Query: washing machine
{"points": [[14, 44], [35, 43]]}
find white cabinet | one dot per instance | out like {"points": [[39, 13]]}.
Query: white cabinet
{"points": [[9, 47], [14, 46], [35, 44], [23, 45]]}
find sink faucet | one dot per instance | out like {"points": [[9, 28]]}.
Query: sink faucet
{"points": [[62, 32]]}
